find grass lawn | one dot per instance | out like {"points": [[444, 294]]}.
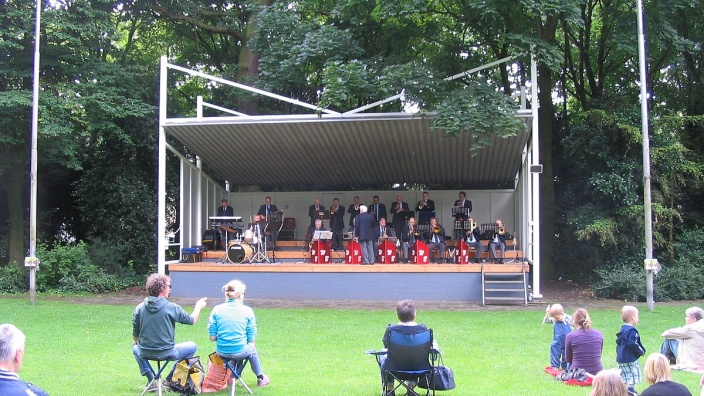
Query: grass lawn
{"points": [[77, 349]]}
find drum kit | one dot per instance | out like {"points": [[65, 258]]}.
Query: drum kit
{"points": [[248, 246]]}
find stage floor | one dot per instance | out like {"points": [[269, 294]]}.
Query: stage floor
{"points": [[430, 282]]}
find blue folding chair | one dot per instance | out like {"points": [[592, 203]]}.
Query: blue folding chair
{"points": [[161, 364], [408, 358], [236, 366]]}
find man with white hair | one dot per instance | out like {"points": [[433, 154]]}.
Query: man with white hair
{"points": [[686, 343], [11, 356], [366, 234]]}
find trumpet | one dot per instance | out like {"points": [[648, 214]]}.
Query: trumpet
{"points": [[502, 230], [333, 209], [472, 226], [436, 230], [422, 204], [356, 207]]}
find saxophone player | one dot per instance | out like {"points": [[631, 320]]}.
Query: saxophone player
{"points": [[398, 219], [436, 239], [498, 240], [409, 236], [472, 240], [337, 223]]}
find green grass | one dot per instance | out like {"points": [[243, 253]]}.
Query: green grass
{"points": [[77, 349]]}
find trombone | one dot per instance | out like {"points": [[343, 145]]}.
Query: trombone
{"points": [[502, 230]]}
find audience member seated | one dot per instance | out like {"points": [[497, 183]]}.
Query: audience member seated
{"points": [[233, 327], [685, 344], [12, 342], [657, 375], [583, 346], [608, 383], [406, 313]]}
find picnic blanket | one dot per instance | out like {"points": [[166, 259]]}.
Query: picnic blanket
{"points": [[573, 382]]}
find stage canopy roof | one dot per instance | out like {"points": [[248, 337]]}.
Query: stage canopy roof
{"points": [[357, 149]]}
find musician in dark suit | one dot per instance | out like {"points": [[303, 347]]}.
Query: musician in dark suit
{"points": [[377, 209], [498, 240], [436, 239], [384, 231], [409, 234], [317, 226], [398, 219], [266, 211], [225, 210], [425, 209], [313, 211], [366, 234], [472, 237], [353, 210], [337, 223], [462, 202]]}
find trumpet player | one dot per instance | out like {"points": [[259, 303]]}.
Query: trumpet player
{"points": [[353, 210], [436, 239], [498, 240], [314, 210], [337, 223], [409, 235], [425, 209], [472, 239], [398, 219]]}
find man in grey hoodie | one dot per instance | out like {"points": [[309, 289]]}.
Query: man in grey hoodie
{"points": [[154, 326]]}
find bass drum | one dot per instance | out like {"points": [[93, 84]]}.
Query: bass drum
{"points": [[237, 253]]}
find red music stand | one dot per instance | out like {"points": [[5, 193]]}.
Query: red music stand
{"points": [[320, 253], [420, 254], [353, 253], [386, 253], [462, 253]]}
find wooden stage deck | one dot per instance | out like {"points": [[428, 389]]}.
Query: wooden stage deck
{"points": [[304, 281]]}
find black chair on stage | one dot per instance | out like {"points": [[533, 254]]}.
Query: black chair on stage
{"points": [[408, 360]]}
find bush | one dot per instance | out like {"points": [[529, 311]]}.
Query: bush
{"points": [[622, 280], [69, 268], [14, 279], [679, 281]]}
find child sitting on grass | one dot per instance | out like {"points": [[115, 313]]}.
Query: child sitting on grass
{"points": [[629, 348], [562, 325]]}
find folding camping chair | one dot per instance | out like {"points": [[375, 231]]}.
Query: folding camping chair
{"points": [[408, 357], [236, 366]]}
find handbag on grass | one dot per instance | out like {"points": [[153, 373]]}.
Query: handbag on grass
{"points": [[217, 378], [186, 377], [442, 378]]}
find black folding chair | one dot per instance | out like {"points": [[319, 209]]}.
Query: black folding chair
{"points": [[408, 358]]}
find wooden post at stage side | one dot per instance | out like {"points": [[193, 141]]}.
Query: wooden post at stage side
{"points": [[353, 253], [320, 253], [386, 253], [420, 254], [462, 253]]}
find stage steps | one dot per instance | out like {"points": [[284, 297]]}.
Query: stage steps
{"points": [[502, 287]]}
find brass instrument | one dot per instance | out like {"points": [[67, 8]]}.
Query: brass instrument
{"points": [[436, 230], [356, 207], [422, 204], [333, 209], [473, 226], [502, 230]]}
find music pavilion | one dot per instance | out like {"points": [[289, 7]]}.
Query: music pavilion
{"points": [[328, 148]]}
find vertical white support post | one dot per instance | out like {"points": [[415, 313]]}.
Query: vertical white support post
{"points": [[535, 177], [33, 157], [199, 107], [199, 205], [161, 151]]}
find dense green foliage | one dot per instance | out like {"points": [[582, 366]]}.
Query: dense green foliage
{"points": [[98, 115]]}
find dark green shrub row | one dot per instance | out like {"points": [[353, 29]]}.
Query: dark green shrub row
{"points": [[66, 268]]}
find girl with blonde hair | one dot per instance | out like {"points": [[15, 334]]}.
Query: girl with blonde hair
{"points": [[657, 375], [608, 383]]}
